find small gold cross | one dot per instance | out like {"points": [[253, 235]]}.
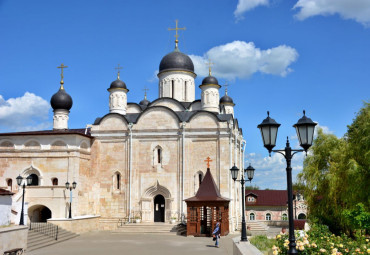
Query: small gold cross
{"points": [[61, 74], [176, 29], [145, 90], [118, 68], [209, 66]]}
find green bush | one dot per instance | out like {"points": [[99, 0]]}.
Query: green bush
{"points": [[262, 243], [319, 240]]}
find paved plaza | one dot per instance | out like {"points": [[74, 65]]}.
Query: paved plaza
{"points": [[137, 244]]}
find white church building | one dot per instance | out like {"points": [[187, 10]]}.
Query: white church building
{"points": [[140, 160]]}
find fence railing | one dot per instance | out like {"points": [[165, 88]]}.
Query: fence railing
{"points": [[45, 228]]}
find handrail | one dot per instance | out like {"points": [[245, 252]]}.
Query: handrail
{"points": [[45, 228]]}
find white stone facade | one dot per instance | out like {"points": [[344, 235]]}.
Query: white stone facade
{"points": [[118, 101], [210, 98], [178, 85], [60, 119]]}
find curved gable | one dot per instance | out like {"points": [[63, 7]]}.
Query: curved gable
{"points": [[113, 121], [133, 108], [203, 120], [32, 144], [171, 103], [6, 145], [58, 145], [157, 117], [195, 106]]}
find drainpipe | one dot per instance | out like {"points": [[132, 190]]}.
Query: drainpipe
{"points": [[129, 171], [230, 165], [183, 171]]}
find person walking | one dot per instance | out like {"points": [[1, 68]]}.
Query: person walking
{"points": [[216, 234]]}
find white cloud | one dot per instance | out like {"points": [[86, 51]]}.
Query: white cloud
{"points": [[271, 171], [154, 77], [29, 112], [358, 10], [325, 129], [246, 5], [240, 59]]}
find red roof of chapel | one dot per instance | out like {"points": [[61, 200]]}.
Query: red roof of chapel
{"points": [[208, 190]]}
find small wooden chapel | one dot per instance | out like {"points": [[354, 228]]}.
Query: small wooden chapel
{"points": [[207, 208]]}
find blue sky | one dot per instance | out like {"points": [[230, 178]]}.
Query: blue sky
{"points": [[282, 56]]}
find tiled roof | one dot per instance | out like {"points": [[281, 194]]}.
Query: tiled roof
{"points": [[79, 131], [4, 192], [267, 197], [208, 190]]}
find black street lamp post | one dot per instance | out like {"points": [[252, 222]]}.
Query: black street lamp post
{"points": [[234, 174], [19, 182], [74, 184], [305, 129]]}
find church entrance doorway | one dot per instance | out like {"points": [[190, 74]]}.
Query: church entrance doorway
{"points": [[159, 206]]}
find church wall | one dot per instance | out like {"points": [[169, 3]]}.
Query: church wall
{"points": [[175, 106], [157, 118], [148, 170], [111, 157]]}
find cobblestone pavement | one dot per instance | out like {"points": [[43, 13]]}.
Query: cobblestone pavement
{"points": [[107, 243]]}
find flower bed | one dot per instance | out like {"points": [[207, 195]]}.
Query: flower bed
{"points": [[319, 240]]}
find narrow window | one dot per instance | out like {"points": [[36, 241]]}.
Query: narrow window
{"points": [[284, 216], [200, 179], [268, 216], [185, 90], [118, 176], [55, 181], [10, 184], [173, 89], [251, 216], [159, 155]]}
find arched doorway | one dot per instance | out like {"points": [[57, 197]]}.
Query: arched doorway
{"points": [[39, 213], [159, 208], [301, 216]]}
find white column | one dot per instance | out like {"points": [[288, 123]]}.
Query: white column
{"points": [[129, 172]]}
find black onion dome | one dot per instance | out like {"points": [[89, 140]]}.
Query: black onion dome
{"points": [[176, 61], [210, 80], [61, 100], [226, 100], [144, 102], [118, 84]]}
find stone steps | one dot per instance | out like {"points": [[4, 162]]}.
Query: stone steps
{"points": [[256, 227], [37, 240], [147, 228]]}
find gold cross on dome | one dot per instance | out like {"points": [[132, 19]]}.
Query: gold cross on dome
{"points": [[61, 74], [209, 66], [208, 160], [226, 85], [145, 90], [176, 29], [118, 68]]}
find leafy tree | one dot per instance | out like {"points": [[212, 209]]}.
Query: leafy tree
{"points": [[251, 187], [336, 174]]}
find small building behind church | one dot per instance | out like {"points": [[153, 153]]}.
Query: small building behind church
{"points": [[271, 206]]}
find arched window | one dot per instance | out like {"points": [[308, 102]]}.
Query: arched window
{"points": [[200, 177], [35, 180], [9, 183], [252, 216], [118, 180], [302, 216], [268, 216], [159, 155], [54, 181], [284, 216]]}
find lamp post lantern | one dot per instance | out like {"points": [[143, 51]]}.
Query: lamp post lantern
{"points": [[305, 129], [19, 182], [74, 184], [234, 174]]}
